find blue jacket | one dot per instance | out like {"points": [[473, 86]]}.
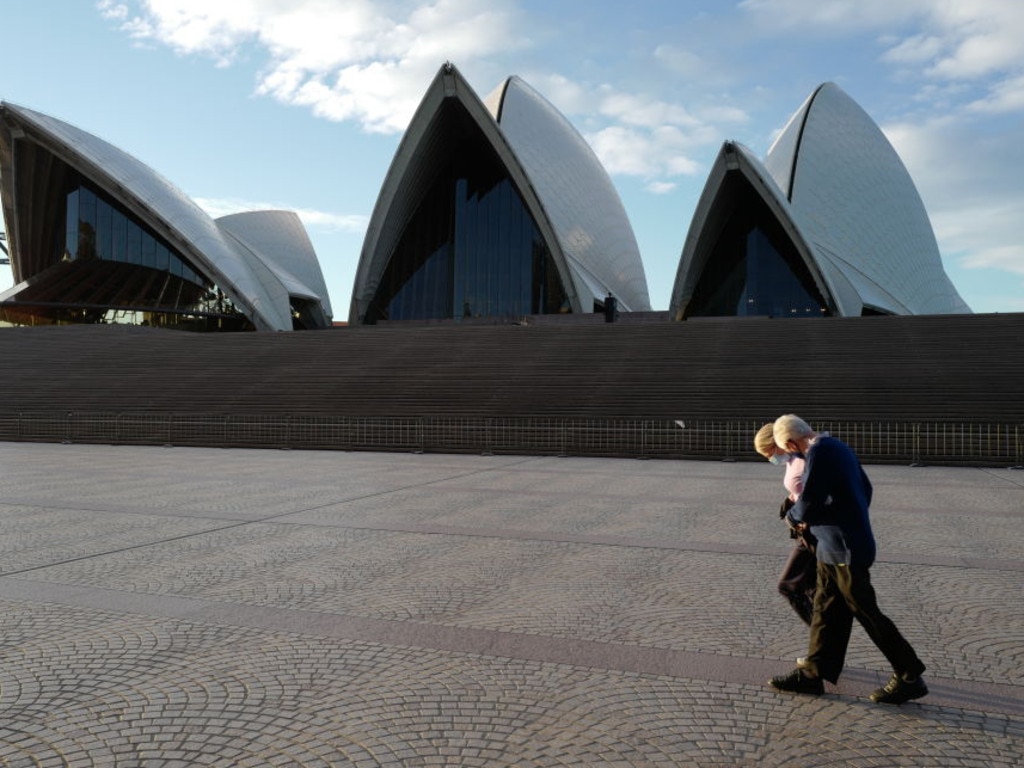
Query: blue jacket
{"points": [[834, 504]]}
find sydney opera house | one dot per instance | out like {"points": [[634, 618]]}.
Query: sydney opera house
{"points": [[496, 254], [829, 224], [499, 208], [494, 208], [95, 236]]}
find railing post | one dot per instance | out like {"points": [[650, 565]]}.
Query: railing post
{"points": [[1020, 448], [488, 447], [643, 438], [915, 446]]}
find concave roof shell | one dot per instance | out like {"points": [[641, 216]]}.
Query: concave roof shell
{"points": [[559, 178], [859, 207], [845, 199], [576, 192], [736, 164], [280, 241], [240, 272]]}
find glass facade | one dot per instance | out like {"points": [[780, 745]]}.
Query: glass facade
{"points": [[98, 228], [470, 249], [105, 266], [754, 270]]}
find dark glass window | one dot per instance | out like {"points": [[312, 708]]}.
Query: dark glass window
{"points": [[148, 252], [119, 237], [96, 262], [133, 242], [71, 232], [754, 269], [87, 224], [471, 248], [140, 277], [163, 257], [104, 230]]}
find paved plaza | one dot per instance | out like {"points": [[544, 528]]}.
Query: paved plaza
{"points": [[171, 607]]}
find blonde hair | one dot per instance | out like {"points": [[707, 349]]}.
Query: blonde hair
{"points": [[764, 442], [790, 427]]}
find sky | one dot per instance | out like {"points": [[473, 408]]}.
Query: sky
{"points": [[301, 104]]}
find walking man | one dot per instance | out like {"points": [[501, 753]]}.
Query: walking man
{"points": [[834, 507]]}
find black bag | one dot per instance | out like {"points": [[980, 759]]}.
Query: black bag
{"points": [[787, 504]]}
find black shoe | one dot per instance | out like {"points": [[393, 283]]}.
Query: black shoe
{"points": [[797, 682], [898, 690]]}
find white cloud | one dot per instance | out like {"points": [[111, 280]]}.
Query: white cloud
{"points": [[624, 150], [369, 62], [661, 187], [112, 10], [188, 26], [568, 96], [982, 39], [974, 205], [915, 50], [344, 59], [681, 61], [643, 136], [833, 16], [353, 223], [633, 109], [1004, 97], [653, 155], [312, 219], [938, 43]]}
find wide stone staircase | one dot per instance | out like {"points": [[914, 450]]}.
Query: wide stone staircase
{"points": [[939, 389]]}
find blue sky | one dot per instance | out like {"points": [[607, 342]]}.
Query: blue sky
{"points": [[300, 104]]}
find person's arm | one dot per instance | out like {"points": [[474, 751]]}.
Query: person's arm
{"points": [[868, 489], [816, 487], [794, 480]]}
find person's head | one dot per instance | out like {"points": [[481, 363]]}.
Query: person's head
{"points": [[792, 434], [764, 441], [764, 444]]}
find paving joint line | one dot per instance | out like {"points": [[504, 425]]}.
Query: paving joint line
{"points": [[965, 695], [228, 527]]}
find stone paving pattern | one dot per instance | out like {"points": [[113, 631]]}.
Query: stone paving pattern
{"points": [[171, 607]]}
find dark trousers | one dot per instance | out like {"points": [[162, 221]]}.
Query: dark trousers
{"points": [[799, 580], [845, 593]]}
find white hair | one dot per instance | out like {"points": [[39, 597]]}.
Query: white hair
{"points": [[790, 427]]}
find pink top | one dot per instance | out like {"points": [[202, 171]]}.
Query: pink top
{"points": [[794, 479]]}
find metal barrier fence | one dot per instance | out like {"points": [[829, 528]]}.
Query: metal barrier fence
{"points": [[876, 442]]}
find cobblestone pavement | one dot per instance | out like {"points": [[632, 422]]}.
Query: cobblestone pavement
{"points": [[171, 607]]}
